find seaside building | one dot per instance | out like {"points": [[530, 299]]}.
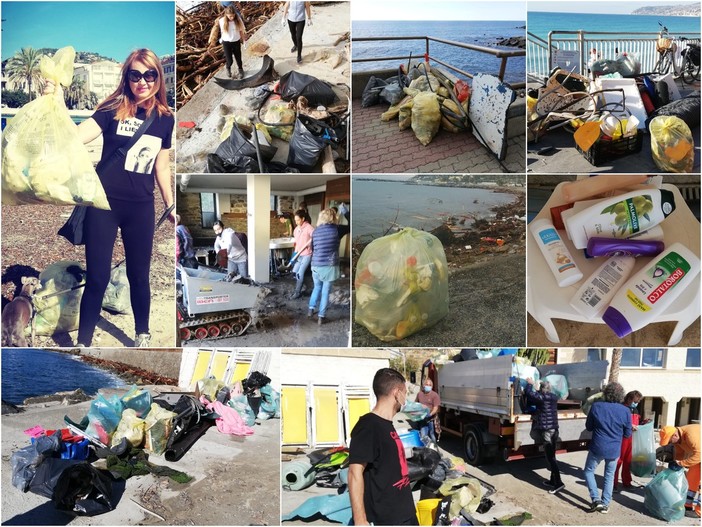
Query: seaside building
{"points": [[668, 378], [168, 64], [100, 77]]}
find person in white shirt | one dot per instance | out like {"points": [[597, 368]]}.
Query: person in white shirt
{"points": [[295, 13], [237, 259], [232, 33]]}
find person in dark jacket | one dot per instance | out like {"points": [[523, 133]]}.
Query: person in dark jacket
{"points": [[545, 428], [610, 422]]}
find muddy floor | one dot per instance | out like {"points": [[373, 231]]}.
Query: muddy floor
{"points": [[30, 244]]}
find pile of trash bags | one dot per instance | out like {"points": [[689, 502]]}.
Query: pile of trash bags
{"points": [[43, 159], [401, 284], [422, 101], [303, 116]]}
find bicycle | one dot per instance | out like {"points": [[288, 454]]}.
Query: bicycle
{"points": [[689, 71]]}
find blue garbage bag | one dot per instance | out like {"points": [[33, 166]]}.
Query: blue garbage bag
{"points": [[334, 507]]}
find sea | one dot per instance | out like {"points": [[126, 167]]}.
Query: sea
{"points": [[381, 205], [540, 24], [34, 372], [469, 32]]}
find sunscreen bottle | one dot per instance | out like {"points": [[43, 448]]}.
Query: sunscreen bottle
{"points": [[597, 291], [620, 216], [650, 291], [555, 252]]}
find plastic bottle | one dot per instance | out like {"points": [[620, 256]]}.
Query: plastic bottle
{"points": [[555, 252], [594, 295], [620, 216], [592, 186], [612, 247], [650, 291]]}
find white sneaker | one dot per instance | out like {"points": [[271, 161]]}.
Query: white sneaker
{"points": [[142, 340]]}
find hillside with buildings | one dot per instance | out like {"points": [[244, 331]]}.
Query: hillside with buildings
{"points": [[669, 10]]}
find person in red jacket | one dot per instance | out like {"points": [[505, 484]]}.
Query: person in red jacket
{"points": [[631, 401]]}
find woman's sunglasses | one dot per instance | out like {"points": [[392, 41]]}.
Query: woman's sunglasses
{"points": [[148, 75]]}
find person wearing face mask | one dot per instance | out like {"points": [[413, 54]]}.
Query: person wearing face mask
{"points": [[379, 484], [545, 428], [431, 400], [631, 401]]}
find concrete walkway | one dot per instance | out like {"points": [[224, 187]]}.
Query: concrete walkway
{"points": [[380, 147]]}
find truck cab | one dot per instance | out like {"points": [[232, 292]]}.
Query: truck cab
{"points": [[480, 404]]}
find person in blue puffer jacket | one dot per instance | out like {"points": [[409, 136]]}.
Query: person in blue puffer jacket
{"points": [[545, 428], [325, 260]]}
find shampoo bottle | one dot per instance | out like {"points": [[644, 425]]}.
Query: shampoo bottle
{"points": [[650, 291], [597, 291], [555, 252], [620, 216]]}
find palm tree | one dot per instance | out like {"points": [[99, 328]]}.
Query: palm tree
{"points": [[24, 67], [616, 362], [75, 93]]}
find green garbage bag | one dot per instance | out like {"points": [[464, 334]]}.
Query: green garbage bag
{"points": [[643, 453], [158, 426], [43, 159], [401, 284], [666, 494]]}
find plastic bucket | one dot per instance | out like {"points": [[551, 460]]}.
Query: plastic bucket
{"points": [[411, 439], [426, 510]]}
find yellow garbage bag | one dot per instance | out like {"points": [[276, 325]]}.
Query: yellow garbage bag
{"points": [[279, 114], [401, 284], [58, 313], [465, 493], [672, 145], [426, 117], [158, 427], [405, 115], [43, 159], [131, 427]]}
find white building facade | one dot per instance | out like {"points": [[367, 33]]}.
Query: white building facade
{"points": [[101, 78], [670, 379]]}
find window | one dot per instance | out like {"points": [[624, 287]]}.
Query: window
{"points": [[208, 210], [693, 358], [594, 354], [642, 358]]}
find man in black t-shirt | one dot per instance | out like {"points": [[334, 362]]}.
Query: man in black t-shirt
{"points": [[378, 475]]}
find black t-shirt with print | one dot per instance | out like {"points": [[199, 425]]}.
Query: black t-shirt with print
{"points": [[133, 179], [387, 494]]}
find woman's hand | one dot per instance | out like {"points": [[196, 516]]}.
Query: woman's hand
{"points": [[50, 88], [172, 216]]}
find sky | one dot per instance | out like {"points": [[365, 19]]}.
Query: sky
{"points": [[619, 7], [437, 10], [112, 29]]}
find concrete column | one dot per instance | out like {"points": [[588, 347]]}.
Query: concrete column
{"points": [[669, 408], [258, 205]]}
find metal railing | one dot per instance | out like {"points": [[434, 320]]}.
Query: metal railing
{"points": [[502, 55], [540, 52]]}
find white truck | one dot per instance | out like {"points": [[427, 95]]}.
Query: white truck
{"points": [[480, 404]]}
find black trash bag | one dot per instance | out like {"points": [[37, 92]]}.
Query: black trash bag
{"points": [[371, 93], [237, 145], [687, 109], [24, 461], [255, 381], [442, 515], [422, 463], [74, 486], [305, 147], [694, 52], [466, 354], [662, 94], [293, 84], [245, 165]]}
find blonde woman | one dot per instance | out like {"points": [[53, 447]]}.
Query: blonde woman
{"points": [[325, 261], [230, 26], [139, 97]]}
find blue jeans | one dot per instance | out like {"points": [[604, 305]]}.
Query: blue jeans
{"points": [[320, 294], [610, 466], [303, 262], [428, 430], [241, 268]]}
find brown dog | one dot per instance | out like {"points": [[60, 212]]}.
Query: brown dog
{"points": [[19, 313]]}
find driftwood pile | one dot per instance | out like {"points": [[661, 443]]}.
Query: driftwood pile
{"points": [[197, 60]]}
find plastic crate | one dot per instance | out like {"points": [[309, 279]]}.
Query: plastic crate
{"points": [[605, 150]]}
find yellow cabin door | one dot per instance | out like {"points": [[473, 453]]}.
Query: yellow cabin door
{"points": [[241, 370], [357, 408], [326, 416], [293, 407], [201, 365], [219, 365]]}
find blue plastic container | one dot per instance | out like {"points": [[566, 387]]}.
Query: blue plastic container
{"points": [[411, 439]]}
